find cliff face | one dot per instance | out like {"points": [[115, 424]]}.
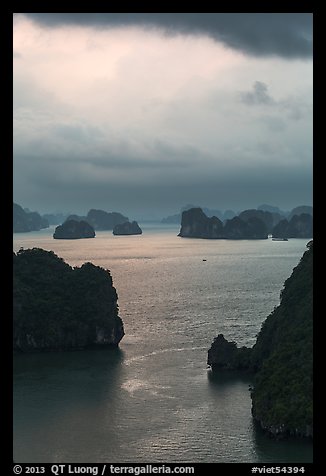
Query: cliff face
{"points": [[299, 226], [57, 307], [27, 221], [195, 224], [127, 228], [73, 230], [268, 218], [301, 209], [225, 355], [281, 358]]}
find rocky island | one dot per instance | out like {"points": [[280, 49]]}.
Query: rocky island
{"points": [[252, 224], [73, 230], [57, 307], [24, 221], [299, 226], [281, 359], [100, 219], [269, 218], [127, 228], [195, 224]]}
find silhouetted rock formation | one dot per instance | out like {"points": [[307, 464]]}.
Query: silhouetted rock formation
{"points": [[299, 210], [281, 358], [225, 355], [271, 209], [101, 220], [208, 212], [195, 224], [27, 221], [251, 229], [127, 228], [280, 230], [270, 219], [76, 217], [73, 230], [299, 226], [57, 307]]}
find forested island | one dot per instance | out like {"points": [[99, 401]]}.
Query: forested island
{"points": [[281, 359], [57, 307], [250, 224], [100, 219], [195, 224], [73, 230], [127, 228], [299, 226]]}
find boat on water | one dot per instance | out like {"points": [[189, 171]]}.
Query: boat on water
{"points": [[280, 239]]}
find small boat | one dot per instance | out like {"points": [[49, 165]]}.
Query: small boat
{"points": [[280, 239]]}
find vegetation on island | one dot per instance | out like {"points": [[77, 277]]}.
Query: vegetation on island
{"points": [[195, 224], [57, 307], [73, 229], [299, 226], [281, 359], [127, 228], [248, 225]]}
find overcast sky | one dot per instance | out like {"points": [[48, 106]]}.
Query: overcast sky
{"points": [[144, 113]]}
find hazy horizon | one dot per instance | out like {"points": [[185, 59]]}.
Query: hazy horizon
{"points": [[139, 215], [145, 113]]}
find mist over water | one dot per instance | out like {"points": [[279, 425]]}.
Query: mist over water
{"points": [[154, 399]]}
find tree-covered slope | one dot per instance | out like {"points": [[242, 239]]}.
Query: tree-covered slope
{"points": [[59, 307], [282, 358]]}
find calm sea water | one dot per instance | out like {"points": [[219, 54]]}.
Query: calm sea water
{"points": [[154, 400]]}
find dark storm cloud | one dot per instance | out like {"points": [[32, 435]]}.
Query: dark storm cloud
{"points": [[287, 35], [134, 121]]}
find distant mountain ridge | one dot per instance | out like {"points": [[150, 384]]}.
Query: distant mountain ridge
{"points": [[73, 230], [208, 212], [276, 212], [24, 221], [299, 226], [100, 219], [249, 225]]}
